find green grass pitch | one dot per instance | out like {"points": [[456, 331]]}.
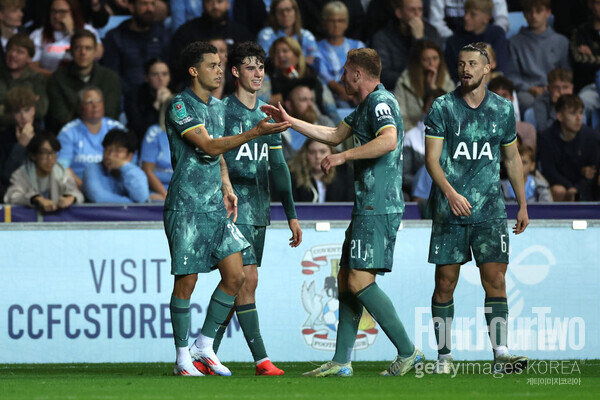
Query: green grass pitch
{"points": [[154, 381]]}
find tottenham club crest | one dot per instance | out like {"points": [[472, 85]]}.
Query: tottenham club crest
{"points": [[320, 265]]}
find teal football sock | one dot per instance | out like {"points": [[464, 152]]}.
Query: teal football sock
{"points": [[350, 312], [248, 317], [180, 320], [218, 310], [379, 305], [496, 316], [443, 314]]}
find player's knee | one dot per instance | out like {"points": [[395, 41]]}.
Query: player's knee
{"points": [[235, 280], [184, 286], [495, 282], [444, 286], [251, 282]]}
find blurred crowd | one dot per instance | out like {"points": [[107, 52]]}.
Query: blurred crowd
{"points": [[84, 85]]}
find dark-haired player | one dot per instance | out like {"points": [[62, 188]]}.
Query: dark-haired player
{"points": [[198, 203]]}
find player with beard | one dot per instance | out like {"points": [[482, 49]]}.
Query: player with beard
{"points": [[248, 167], [467, 133]]}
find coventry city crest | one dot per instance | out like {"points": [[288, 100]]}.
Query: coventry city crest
{"points": [[320, 265]]}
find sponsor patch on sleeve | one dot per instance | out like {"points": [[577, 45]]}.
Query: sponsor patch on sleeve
{"points": [[383, 111]]}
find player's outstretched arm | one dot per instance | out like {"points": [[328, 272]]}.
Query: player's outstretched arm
{"points": [[320, 133], [229, 197], [385, 142], [213, 147], [459, 205], [514, 170]]}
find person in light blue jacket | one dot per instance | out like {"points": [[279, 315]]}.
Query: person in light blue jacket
{"points": [[116, 179], [81, 139]]}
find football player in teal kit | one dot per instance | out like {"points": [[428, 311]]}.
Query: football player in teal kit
{"points": [[377, 131], [467, 133], [199, 201], [248, 167]]}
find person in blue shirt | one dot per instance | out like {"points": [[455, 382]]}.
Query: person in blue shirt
{"points": [[285, 20], [81, 139], [333, 50], [116, 179], [156, 157]]}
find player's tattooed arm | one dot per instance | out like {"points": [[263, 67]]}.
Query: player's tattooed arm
{"points": [[200, 138]]}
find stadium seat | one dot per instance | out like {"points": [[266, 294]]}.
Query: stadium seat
{"points": [[516, 20], [112, 23]]}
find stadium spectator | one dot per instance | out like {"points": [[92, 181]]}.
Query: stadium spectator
{"points": [[310, 184], [569, 154], [534, 52], [214, 23], [497, 74], [413, 151], [426, 71], [537, 189], [289, 65], [143, 109], [155, 156], [448, 15], [121, 7], [560, 82], [504, 87], [116, 179], [394, 41], [131, 44], [65, 84], [94, 12], [584, 47], [20, 102], [42, 182], [15, 71], [52, 41], [333, 50], [249, 13], [312, 10], [299, 102], [477, 28], [227, 83], [11, 22], [379, 13], [285, 20], [81, 139]]}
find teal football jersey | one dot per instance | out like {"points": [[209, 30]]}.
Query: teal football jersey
{"points": [[196, 182], [378, 181], [470, 158], [248, 165]]}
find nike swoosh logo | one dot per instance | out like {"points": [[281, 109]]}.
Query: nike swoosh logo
{"points": [[458, 133]]}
